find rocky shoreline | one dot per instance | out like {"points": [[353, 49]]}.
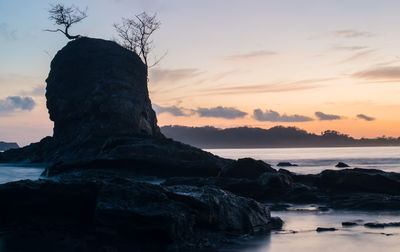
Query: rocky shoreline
{"points": [[106, 137]]}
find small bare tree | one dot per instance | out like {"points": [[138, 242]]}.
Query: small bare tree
{"points": [[66, 16], [135, 35]]}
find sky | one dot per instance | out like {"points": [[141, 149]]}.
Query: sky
{"points": [[316, 65]]}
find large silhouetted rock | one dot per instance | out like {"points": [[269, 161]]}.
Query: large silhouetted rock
{"points": [[98, 89], [97, 97]]}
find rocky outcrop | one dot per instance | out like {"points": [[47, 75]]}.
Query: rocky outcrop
{"points": [[341, 165], [360, 189], [98, 99], [283, 164], [126, 215], [97, 89]]}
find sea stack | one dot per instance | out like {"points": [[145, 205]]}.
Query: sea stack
{"points": [[102, 87], [98, 99]]}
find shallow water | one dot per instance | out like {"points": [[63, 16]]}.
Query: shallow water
{"points": [[314, 160], [345, 239], [11, 172]]}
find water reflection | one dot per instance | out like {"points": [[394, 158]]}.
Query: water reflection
{"points": [[300, 234]]}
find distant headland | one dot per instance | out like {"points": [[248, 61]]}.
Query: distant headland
{"points": [[279, 136], [7, 146]]}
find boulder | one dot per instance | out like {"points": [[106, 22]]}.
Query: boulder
{"points": [[342, 165], [276, 182], [246, 168], [349, 224], [381, 225], [359, 180], [324, 229], [286, 164]]}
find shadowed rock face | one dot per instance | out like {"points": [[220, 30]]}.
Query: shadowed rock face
{"points": [[97, 89]]}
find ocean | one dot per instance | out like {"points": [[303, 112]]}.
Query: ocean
{"points": [[315, 160], [301, 222]]}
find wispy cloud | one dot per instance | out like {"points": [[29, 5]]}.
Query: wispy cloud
{"points": [[326, 117], [273, 116], [349, 48], [357, 56], [365, 117], [352, 34], [221, 112], [251, 55], [15, 103], [6, 33], [345, 33], [387, 72], [172, 75], [270, 88]]}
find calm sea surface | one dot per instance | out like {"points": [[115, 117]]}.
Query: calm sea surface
{"points": [[314, 160], [303, 220]]}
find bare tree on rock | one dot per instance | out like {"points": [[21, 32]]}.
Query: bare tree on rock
{"points": [[66, 16], [135, 33]]}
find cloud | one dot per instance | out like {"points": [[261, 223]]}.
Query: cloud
{"points": [[36, 91], [221, 112], [13, 103], [326, 117], [273, 116], [173, 110], [251, 55], [172, 75], [269, 88], [352, 34], [349, 33], [217, 112], [6, 34], [365, 117], [388, 72], [350, 48], [357, 56]]}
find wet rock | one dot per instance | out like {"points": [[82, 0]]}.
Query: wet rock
{"points": [[269, 186], [286, 164], [323, 229], [349, 224], [359, 180], [275, 183], [246, 168], [381, 225], [374, 225], [222, 210], [341, 165]]}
